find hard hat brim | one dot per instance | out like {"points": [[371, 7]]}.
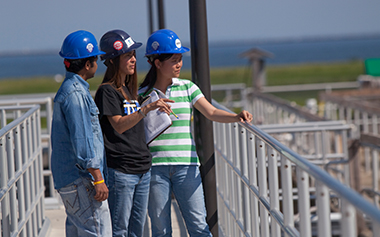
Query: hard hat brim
{"points": [[80, 57], [181, 50]]}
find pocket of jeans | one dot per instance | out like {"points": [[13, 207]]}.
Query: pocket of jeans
{"points": [[70, 199]]}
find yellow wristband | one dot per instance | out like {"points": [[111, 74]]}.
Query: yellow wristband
{"points": [[99, 182]]}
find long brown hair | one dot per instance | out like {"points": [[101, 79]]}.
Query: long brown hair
{"points": [[151, 76], [112, 75]]}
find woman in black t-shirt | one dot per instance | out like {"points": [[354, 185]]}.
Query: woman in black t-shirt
{"points": [[121, 118]]}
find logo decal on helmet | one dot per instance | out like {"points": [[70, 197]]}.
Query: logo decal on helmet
{"points": [[129, 42], [155, 45], [118, 45], [178, 43], [90, 47]]}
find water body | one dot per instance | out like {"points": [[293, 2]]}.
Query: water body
{"points": [[222, 54]]}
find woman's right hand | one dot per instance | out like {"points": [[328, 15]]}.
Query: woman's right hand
{"points": [[161, 104]]}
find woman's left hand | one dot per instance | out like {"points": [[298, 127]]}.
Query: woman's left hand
{"points": [[245, 116]]}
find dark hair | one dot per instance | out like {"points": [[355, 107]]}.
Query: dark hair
{"points": [[111, 77], [151, 76], [75, 65]]}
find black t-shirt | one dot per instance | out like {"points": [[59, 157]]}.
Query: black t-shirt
{"points": [[126, 152]]}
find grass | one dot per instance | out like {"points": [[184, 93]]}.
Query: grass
{"points": [[276, 75]]}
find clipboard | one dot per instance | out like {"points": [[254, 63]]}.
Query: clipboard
{"points": [[155, 122]]}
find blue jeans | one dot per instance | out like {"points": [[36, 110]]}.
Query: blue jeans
{"points": [[186, 183], [85, 215], [128, 202]]}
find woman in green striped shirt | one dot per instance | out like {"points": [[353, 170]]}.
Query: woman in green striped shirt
{"points": [[175, 165]]}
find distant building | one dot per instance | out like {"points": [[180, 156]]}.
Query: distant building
{"points": [[257, 58]]}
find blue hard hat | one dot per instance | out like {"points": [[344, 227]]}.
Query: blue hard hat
{"points": [[79, 44], [117, 42], [164, 41]]}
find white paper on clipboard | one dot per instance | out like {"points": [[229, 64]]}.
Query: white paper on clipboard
{"points": [[155, 122]]}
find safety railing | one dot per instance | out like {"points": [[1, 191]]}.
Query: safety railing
{"points": [[46, 107], [371, 186], [264, 189], [269, 109], [324, 144], [21, 178], [231, 95], [357, 107]]}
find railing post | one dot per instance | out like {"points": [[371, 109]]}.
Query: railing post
{"points": [[236, 162], [273, 188], [244, 161], [323, 209], [11, 175], [263, 187], [253, 183], [20, 182], [5, 209], [26, 175], [348, 222], [303, 202], [287, 191]]}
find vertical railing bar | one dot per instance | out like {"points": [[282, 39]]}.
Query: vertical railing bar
{"points": [[236, 163], [324, 144], [303, 202], [375, 175], [25, 156], [323, 210], [253, 182], [31, 173], [20, 182], [347, 176], [348, 221], [341, 113], [263, 190], [244, 170], [225, 213], [39, 168], [12, 190], [3, 118], [5, 211], [229, 194], [273, 189], [287, 194], [375, 128]]}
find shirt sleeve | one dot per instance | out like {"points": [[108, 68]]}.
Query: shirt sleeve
{"points": [[108, 101], [194, 92], [81, 114]]}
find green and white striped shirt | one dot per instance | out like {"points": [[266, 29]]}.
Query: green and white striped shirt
{"points": [[176, 145]]}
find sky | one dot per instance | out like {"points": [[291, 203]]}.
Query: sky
{"points": [[41, 25]]}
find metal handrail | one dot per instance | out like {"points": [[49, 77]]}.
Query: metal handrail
{"points": [[317, 173], [312, 170], [21, 180]]}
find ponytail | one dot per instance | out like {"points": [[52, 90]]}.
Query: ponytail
{"points": [[151, 76]]}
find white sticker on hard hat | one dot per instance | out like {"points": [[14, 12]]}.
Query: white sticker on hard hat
{"points": [[118, 45], [178, 43], [155, 45], [129, 42], [90, 47]]}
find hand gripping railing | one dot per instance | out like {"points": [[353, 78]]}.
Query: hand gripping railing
{"points": [[21, 175], [257, 177]]}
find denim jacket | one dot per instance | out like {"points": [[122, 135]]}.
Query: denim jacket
{"points": [[76, 136]]}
